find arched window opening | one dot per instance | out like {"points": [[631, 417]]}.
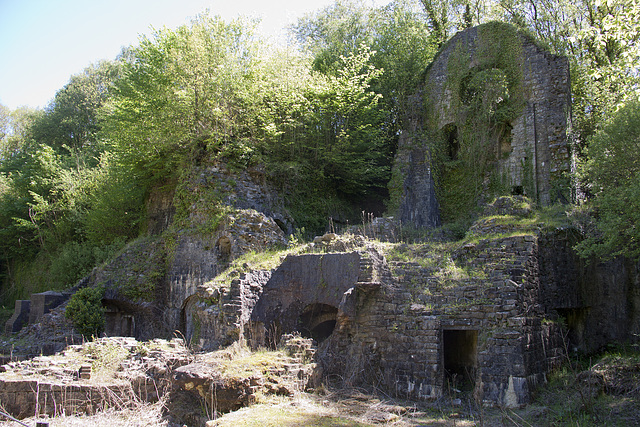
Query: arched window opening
{"points": [[318, 321]]}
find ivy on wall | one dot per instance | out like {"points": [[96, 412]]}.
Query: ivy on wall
{"points": [[485, 91]]}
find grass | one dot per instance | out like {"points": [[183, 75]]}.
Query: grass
{"points": [[601, 391], [302, 411], [438, 259], [561, 402], [272, 258], [105, 358], [238, 361], [346, 407]]}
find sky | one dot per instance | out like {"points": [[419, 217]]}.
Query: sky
{"points": [[44, 42]]}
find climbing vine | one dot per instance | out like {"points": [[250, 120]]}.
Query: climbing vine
{"points": [[485, 91]]}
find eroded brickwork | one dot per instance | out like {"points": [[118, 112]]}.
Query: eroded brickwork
{"points": [[398, 325]]}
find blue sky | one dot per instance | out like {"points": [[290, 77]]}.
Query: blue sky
{"points": [[44, 42]]}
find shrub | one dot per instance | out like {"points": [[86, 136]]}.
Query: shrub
{"points": [[86, 312], [612, 174]]}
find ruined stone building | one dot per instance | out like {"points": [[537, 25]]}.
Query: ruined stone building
{"points": [[491, 316], [493, 119]]}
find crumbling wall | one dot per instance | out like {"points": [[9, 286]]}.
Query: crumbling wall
{"points": [[396, 337], [397, 324], [260, 306], [598, 301], [494, 121]]}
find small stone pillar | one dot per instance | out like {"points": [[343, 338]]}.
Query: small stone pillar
{"points": [[20, 317], [43, 303]]}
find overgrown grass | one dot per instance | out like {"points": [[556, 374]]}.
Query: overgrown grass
{"points": [[105, 358], [296, 413], [238, 361], [252, 261], [594, 391], [436, 258]]}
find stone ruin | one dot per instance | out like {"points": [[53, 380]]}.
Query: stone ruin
{"points": [[525, 140], [31, 311], [516, 302]]}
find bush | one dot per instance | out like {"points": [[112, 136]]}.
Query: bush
{"points": [[86, 312], [612, 174], [75, 260]]}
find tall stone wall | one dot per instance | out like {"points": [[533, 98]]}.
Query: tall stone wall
{"points": [[525, 149], [598, 301]]}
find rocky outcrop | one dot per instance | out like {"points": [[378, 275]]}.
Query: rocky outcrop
{"points": [[224, 384]]}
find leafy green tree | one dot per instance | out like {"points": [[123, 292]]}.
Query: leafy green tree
{"points": [[114, 197], [15, 127], [70, 123], [353, 154], [183, 96], [612, 171], [337, 30], [4, 122]]}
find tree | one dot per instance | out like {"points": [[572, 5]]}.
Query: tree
{"points": [[70, 122], [446, 17], [183, 97], [335, 31], [612, 172], [15, 128], [353, 155]]}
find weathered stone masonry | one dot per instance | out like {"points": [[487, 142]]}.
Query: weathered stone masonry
{"points": [[397, 326], [404, 335], [532, 152]]}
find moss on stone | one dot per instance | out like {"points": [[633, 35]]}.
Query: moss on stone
{"points": [[485, 96]]}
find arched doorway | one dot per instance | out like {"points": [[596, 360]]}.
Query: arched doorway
{"points": [[318, 321]]}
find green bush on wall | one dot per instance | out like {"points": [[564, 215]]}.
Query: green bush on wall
{"points": [[86, 312]]}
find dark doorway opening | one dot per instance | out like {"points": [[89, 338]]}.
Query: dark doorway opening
{"points": [[575, 318], [318, 321], [460, 358], [450, 132]]}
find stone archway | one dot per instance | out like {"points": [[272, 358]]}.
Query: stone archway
{"points": [[223, 246], [318, 321]]}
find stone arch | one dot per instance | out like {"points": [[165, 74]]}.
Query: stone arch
{"points": [[223, 246], [318, 321]]}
